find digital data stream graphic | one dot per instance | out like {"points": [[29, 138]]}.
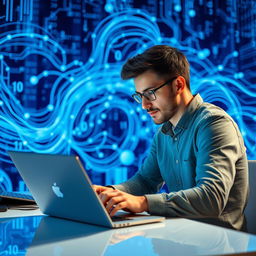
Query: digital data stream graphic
{"points": [[60, 85]]}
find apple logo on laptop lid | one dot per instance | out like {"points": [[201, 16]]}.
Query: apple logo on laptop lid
{"points": [[56, 190]]}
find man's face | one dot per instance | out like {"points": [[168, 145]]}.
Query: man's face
{"points": [[165, 106]]}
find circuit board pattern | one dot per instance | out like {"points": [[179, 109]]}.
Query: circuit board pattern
{"points": [[17, 234], [61, 90]]}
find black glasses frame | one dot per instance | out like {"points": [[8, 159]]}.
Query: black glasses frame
{"points": [[150, 94]]}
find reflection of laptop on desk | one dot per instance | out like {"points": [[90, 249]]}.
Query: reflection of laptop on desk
{"points": [[55, 236], [61, 188]]}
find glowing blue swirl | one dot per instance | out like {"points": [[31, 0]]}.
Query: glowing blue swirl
{"points": [[89, 110]]}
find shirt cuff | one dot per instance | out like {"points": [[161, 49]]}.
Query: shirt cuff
{"points": [[156, 204], [110, 186], [120, 187]]}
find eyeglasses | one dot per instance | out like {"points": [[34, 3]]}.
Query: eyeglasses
{"points": [[150, 94]]}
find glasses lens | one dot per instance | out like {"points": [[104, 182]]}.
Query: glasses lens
{"points": [[150, 95], [137, 97]]}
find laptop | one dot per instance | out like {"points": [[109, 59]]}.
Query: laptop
{"points": [[16, 196], [16, 200], [61, 188]]}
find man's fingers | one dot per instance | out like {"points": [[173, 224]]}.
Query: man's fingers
{"points": [[113, 202], [117, 207], [105, 196], [98, 189]]}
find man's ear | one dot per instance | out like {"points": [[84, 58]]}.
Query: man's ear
{"points": [[180, 84]]}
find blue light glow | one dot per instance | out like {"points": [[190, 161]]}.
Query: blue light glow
{"points": [[192, 13], [127, 157], [61, 90], [33, 80]]}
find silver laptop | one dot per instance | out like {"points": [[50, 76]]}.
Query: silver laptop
{"points": [[61, 188]]}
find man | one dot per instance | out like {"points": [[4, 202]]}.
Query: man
{"points": [[198, 151]]}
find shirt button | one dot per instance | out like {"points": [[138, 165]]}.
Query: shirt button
{"points": [[177, 161], [175, 139]]}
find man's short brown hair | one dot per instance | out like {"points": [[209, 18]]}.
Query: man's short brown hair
{"points": [[166, 61]]}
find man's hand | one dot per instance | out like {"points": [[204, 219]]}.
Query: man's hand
{"points": [[98, 189], [115, 200]]}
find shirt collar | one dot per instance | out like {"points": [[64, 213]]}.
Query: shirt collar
{"points": [[167, 127]]}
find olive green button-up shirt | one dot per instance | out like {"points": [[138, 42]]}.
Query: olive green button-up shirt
{"points": [[203, 163]]}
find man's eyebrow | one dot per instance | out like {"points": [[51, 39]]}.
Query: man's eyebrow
{"points": [[150, 88]]}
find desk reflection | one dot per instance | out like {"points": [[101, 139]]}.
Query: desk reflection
{"points": [[173, 237], [183, 237]]}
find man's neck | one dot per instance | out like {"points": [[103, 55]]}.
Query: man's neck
{"points": [[184, 102]]}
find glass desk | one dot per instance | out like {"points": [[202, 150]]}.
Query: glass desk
{"points": [[42, 235]]}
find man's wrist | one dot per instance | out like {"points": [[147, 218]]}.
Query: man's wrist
{"points": [[144, 203]]}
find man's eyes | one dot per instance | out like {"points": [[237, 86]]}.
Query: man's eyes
{"points": [[149, 92]]}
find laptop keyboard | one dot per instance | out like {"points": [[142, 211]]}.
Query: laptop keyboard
{"points": [[16, 196], [122, 217], [117, 218]]}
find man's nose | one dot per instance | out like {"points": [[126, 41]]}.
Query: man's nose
{"points": [[145, 103]]}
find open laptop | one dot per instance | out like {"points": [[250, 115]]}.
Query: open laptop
{"points": [[16, 196], [61, 188], [16, 200]]}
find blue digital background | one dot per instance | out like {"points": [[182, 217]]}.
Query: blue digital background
{"points": [[60, 85]]}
